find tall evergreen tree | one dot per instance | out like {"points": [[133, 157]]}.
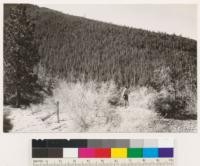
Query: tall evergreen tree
{"points": [[20, 57]]}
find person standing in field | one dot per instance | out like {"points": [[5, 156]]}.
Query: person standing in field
{"points": [[126, 96]]}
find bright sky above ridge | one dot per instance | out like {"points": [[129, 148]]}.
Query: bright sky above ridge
{"points": [[178, 19]]}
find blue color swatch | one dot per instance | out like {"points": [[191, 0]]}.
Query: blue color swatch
{"points": [[150, 152]]}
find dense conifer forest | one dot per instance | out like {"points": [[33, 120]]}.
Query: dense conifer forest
{"points": [[74, 47]]}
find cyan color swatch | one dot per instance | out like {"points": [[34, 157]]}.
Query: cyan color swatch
{"points": [[150, 152]]}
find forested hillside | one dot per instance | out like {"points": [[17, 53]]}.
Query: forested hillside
{"points": [[75, 47], [77, 68]]}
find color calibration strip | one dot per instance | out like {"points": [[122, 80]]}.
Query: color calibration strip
{"points": [[130, 150], [150, 148]]}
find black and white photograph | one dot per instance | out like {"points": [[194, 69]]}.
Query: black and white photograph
{"points": [[107, 68]]}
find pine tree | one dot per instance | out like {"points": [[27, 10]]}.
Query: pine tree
{"points": [[20, 57]]}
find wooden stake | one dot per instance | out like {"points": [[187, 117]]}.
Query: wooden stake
{"points": [[58, 116]]}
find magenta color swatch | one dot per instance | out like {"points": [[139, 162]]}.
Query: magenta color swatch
{"points": [[86, 153]]}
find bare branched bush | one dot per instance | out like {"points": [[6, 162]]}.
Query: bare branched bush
{"points": [[86, 104]]}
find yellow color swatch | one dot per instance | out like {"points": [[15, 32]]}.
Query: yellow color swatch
{"points": [[118, 152]]}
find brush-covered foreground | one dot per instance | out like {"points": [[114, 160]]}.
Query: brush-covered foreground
{"points": [[95, 107]]}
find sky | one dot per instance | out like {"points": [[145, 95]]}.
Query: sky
{"points": [[172, 19]]}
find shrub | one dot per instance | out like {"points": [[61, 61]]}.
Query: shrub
{"points": [[7, 125], [170, 107], [176, 96], [86, 104], [161, 79]]}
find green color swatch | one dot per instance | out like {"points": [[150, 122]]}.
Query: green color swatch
{"points": [[134, 152]]}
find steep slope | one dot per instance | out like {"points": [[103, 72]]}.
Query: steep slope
{"points": [[74, 47]]}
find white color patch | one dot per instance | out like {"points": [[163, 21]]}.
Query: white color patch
{"points": [[166, 143], [70, 152]]}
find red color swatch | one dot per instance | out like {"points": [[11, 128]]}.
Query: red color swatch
{"points": [[102, 152]]}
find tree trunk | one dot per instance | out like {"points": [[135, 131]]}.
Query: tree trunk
{"points": [[175, 91]]}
